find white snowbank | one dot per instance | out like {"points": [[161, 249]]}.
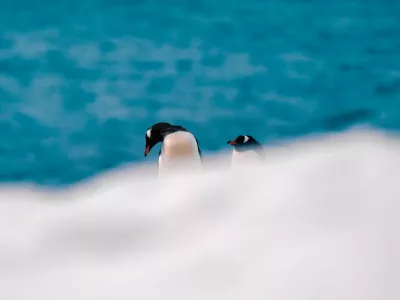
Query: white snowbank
{"points": [[318, 221]]}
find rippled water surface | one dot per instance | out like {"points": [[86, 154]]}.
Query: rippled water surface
{"points": [[80, 81]]}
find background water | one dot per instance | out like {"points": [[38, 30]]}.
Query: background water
{"points": [[81, 81]]}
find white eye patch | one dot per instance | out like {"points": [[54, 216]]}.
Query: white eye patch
{"points": [[246, 139], [148, 133]]}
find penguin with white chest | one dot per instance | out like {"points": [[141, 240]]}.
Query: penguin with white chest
{"points": [[246, 149], [179, 146]]}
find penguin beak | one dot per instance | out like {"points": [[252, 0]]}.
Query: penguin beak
{"points": [[146, 152], [231, 142]]}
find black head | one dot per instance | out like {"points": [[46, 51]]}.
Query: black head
{"points": [[246, 142], [154, 135], [243, 140]]}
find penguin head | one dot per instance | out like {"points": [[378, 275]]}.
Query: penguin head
{"points": [[244, 143], [154, 135], [242, 140]]}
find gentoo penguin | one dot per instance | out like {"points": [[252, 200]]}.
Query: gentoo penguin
{"points": [[246, 149], [177, 144]]}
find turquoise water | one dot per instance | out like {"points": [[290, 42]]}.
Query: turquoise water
{"points": [[80, 81]]}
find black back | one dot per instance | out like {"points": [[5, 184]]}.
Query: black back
{"points": [[171, 129], [160, 130], [176, 128]]}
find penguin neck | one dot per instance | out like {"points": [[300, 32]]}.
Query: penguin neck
{"points": [[168, 130], [254, 146]]}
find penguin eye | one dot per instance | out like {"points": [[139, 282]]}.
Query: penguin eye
{"points": [[246, 139], [148, 133]]}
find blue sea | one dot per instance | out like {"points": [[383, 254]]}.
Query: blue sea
{"points": [[81, 81], [83, 214]]}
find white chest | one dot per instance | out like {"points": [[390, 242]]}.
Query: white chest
{"points": [[244, 157], [178, 149]]}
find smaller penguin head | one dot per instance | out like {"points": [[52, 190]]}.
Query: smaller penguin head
{"points": [[242, 140], [243, 143], [154, 135]]}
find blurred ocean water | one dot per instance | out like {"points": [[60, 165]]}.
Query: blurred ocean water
{"points": [[80, 81]]}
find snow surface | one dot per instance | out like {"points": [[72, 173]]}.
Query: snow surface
{"points": [[319, 220]]}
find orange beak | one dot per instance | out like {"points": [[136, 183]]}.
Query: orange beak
{"points": [[232, 143], [146, 152]]}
